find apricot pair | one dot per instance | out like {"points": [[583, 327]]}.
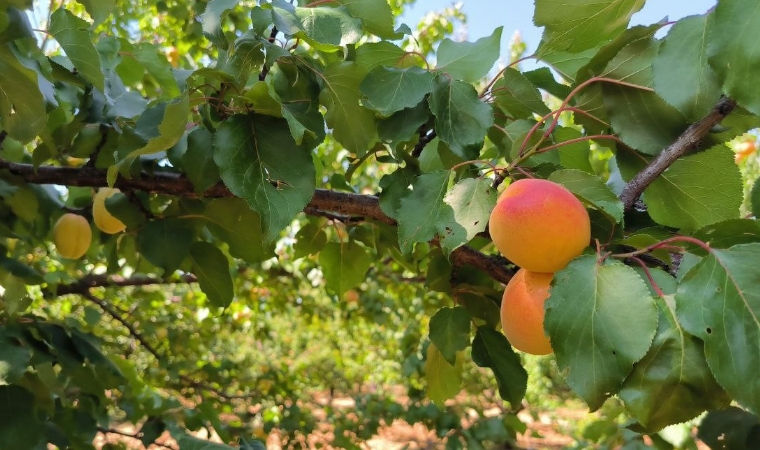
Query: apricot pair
{"points": [[72, 234], [540, 226]]}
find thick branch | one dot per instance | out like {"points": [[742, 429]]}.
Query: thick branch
{"points": [[90, 281], [324, 201], [687, 141]]}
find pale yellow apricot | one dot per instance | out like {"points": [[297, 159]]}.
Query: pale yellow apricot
{"points": [[72, 235], [539, 225], [103, 219], [522, 311]]}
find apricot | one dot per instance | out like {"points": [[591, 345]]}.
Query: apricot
{"points": [[745, 150], [539, 225], [72, 235], [522, 311], [103, 219]]}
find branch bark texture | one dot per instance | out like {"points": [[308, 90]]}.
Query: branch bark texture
{"points": [[687, 141], [324, 203]]}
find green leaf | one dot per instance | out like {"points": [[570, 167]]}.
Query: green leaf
{"points": [[329, 25], [601, 320], [376, 15], [99, 10], [213, 272], [450, 331], [296, 88], [16, 297], [166, 243], [728, 233], [168, 132], [198, 160], [130, 213], [471, 201], [388, 89], [253, 152], [672, 383], [641, 118], [22, 109], [74, 36], [680, 197], [155, 63], [461, 118], [247, 57], [717, 301], [576, 155], [733, 50], [423, 212], [754, 199], [444, 379], [576, 25], [403, 126], [211, 19], [568, 64], [680, 71], [491, 349], [394, 187], [310, 240], [327, 28], [19, 424], [516, 95], [730, 429], [375, 54], [344, 265], [592, 190], [192, 443], [14, 357], [469, 61], [353, 126], [232, 221]]}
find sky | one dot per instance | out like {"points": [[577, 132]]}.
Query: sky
{"points": [[483, 16]]}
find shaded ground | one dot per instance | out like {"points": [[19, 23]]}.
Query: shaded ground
{"points": [[541, 434]]}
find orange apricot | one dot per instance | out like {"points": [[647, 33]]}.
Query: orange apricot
{"points": [[539, 225], [745, 150], [522, 311]]}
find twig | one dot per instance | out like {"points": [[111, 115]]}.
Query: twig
{"points": [[116, 315], [425, 138], [265, 68], [189, 382], [685, 142]]}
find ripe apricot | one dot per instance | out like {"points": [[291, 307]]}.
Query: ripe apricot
{"points": [[72, 235], [522, 311], [745, 150], [104, 220], [539, 225]]}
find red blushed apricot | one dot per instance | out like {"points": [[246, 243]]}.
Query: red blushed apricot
{"points": [[522, 311], [539, 225]]}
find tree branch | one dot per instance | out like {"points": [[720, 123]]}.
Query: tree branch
{"points": [[116, 315], [687, 141], [136, 436], [324, 201], [92, 280]]}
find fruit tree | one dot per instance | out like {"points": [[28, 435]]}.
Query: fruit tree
{"points": [[172, 171]]}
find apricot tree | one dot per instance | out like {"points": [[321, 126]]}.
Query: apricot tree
{"points": [[284, 139]]}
